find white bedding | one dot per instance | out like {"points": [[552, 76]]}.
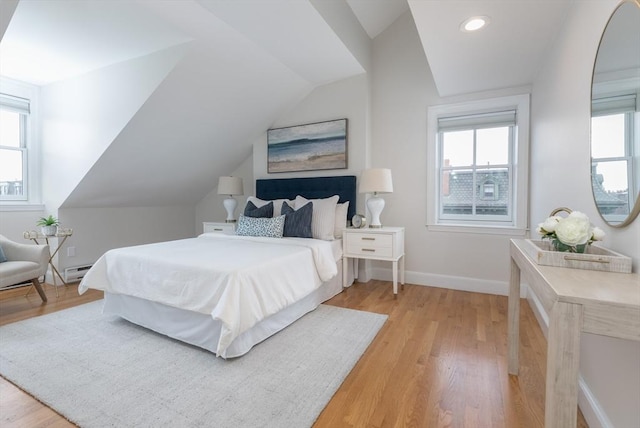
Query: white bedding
{"points": [[237, 280]]}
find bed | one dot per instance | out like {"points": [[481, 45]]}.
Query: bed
{"points": [[227, 293]]}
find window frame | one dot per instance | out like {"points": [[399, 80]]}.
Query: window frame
{"points": [[31, 148], [629, 115], [518, 162], [24, 155]]}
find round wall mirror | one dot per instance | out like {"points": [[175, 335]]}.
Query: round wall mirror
{"points": [[615, 118]]}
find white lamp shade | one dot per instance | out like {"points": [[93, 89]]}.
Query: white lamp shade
{"points": [[230, 186], [376, 180]]}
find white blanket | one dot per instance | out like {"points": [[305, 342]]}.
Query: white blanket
{"points": [[238, 280]]}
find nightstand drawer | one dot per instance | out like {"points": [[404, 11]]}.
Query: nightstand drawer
{"points": [[214, 227], [370, 240], [369, 250]]}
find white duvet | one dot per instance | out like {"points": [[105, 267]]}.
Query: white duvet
{"points": [[238, 280]]}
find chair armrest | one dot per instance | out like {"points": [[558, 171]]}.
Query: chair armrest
{"points": [[15, 251]]}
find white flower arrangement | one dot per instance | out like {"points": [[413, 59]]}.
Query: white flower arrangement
{"points": [[573, 233]]}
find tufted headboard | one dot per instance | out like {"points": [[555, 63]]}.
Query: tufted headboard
{"points": [[311, 188]]}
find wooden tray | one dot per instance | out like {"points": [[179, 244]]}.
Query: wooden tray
{"points": [[595, 258]]}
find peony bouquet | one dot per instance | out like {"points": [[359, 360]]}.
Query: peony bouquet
{"points": [[572, 233]]}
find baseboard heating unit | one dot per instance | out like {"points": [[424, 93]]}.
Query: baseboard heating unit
{"points": [[76, 273]]}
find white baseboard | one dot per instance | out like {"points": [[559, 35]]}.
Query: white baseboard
{"points": [[591, 409], [461, 283]]}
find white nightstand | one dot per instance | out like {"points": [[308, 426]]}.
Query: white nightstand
{"points": [[386, 243], [218, 227]]}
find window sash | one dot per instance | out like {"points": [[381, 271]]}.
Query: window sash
{"points": [[627, 159], [476, 195], [23, 196], [20, 107]]}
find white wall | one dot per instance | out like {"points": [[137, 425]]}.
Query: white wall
{"points": [[560, 176], [346, 98], [81, 116], [14, 223], [96, 230], [211, 207], [403, 89]]}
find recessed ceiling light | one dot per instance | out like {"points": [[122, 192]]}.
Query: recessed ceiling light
{"points": [[474, 23]]}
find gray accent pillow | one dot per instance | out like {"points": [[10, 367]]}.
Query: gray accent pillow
{"points": [[297, 223], [250, 210], [270, 227], [3, 258]]}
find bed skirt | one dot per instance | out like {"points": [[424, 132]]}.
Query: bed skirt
{"points": [[203, 331]]}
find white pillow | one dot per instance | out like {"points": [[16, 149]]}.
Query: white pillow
{"points": [[341, 219], [324, 216], [277, 204]]}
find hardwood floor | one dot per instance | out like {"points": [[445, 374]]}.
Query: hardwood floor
{"points": [[439, 361]]}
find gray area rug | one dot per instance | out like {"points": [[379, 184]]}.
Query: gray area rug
{"points": [[101, 371]]}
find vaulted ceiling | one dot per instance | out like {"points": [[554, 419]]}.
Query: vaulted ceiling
{"points": [[243, 63]]}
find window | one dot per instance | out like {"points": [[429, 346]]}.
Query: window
{"points": [[18, 151], [612, 151], [14, 112], [478, 158]]}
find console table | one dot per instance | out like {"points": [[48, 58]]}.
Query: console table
{"points": [[576, 301]]}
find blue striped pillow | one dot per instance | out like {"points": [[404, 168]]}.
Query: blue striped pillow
{"points": [[297, 223]]}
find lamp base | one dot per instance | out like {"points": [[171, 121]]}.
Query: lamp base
{"points": [[230, 205], [375, 204]]}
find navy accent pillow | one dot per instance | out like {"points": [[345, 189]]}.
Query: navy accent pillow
{"points": [[264, 211], [3, 258], [297, 223]]}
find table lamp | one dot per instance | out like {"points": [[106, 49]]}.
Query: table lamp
{"points": [[376, 180], [230, 186]]}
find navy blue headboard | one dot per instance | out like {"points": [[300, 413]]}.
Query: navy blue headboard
{"points": [[311, 188]]}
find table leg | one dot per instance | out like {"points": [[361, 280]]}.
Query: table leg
{"points": [[402, 271], [563, 363], [513, 325], [395, 278]]}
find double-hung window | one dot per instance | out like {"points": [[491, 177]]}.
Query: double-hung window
{"points": [[478, 163], [14, 114], [19, 147], [613, 144]]}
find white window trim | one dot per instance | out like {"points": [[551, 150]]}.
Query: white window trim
{"points": [[520, 164], [34, 198]]}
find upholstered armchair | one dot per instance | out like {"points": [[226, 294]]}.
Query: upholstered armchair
{"points": [[24, 262]]}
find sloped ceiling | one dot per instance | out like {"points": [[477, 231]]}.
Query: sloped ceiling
{"points": [[246, 62], [508, 52], [233, 82]]}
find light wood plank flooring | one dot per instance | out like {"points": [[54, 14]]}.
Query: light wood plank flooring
{"points": [[439, 361]]}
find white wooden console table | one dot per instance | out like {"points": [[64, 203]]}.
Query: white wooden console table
{"points": [[576, 300]]}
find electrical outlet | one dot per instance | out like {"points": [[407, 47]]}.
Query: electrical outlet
{"points": [[71, 252]]}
